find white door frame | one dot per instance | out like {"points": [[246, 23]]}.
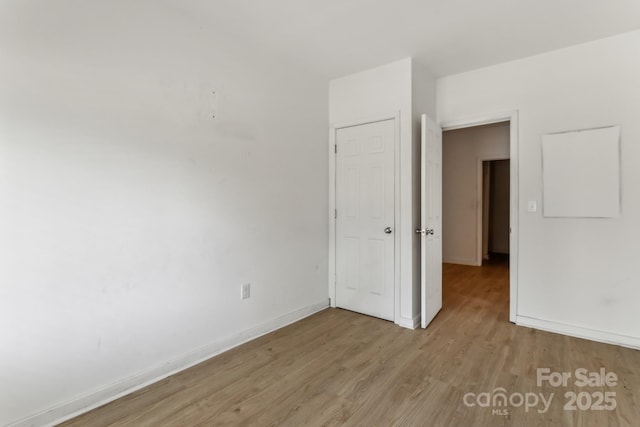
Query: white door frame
{"points": [[333, 129], [480, 203], [512, 118]]}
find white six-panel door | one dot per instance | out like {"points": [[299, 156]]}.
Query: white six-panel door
{"points": [[431, 220], [365, 218]]}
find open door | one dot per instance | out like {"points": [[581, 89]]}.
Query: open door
{"points": [[431, 220]]}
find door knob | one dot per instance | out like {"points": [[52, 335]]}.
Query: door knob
{"points": [[388, 230], [421, 231]]}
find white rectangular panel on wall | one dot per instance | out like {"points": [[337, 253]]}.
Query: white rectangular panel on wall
{"points": [[581, 173]]}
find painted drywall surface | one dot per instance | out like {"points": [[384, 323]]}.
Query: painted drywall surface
{"points": [[129, 217], [499, 214], [580, 272], [385, 90], [461, 150], [423, 93]]}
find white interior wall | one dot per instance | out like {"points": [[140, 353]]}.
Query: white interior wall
{"points": [[461, 200], [129, 217], [576, 276]]}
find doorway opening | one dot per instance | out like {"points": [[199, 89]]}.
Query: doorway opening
{"points": [[494, 212], [479, 209]]}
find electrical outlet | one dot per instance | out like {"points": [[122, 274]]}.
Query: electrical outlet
{"points": [[245, 291]]}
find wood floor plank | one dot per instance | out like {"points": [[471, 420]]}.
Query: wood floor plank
{"points": [[341, 368]]}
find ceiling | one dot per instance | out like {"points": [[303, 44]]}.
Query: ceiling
{"points": [[339, 37]]}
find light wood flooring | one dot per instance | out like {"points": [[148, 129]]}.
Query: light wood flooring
{"points": [[341, 368]]}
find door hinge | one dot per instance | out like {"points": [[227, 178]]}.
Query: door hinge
{"points": [[335, 148], [335, 214]]}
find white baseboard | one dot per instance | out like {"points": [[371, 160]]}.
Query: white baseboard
{"points": [[461, 261], [416, 320], [409, 323], [579, 332], [140, 380]]}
